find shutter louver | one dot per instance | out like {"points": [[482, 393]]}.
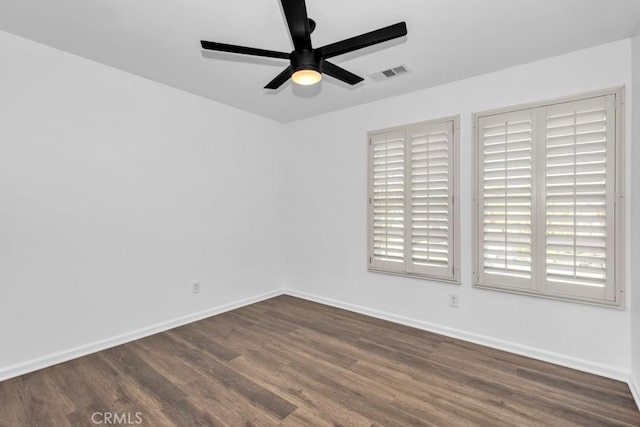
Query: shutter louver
{"points": [[431, 189], [388, 199], [505, 198], [579, 197]]}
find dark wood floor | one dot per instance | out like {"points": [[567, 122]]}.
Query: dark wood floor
{"points": [[291, 362]]}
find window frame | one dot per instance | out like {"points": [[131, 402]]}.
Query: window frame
{"points": [[538, 211], [454, 164]]}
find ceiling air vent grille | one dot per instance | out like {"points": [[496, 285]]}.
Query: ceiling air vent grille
{"points": [[389, 74]]}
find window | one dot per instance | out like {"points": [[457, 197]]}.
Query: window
{"points": [[549, 199], [413, 213]]}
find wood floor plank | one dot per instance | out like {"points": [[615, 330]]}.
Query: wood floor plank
{"points": [[291, 362], [538, 384], [228, 405], [42, 404], [128, 363], [207, 343], [322, 406], [304, 418], [12, 406], [184, 413], [160, 354], [446, 396], [235, 380]]}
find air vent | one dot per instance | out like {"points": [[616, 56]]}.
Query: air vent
{"points": [[389, 74], [399, 70]]}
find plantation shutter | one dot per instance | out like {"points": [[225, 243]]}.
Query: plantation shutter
{"points": [[430, 205], [548, 200], [412, 210], [505, 199], [387, 200], [579, 197]]}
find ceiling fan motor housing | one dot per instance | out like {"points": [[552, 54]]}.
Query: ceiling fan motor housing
{"points": [[307, 65], [306, 60]]}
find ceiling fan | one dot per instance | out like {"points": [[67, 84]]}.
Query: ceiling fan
{"points": [[306, 63]]}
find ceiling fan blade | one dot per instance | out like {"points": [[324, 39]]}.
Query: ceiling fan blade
{"points": [[222, 47], [296, 13], [364, 40], [340, 73], [280, 79]]}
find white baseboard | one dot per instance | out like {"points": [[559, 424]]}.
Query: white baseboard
{"points": [[532, 352], [634, 386], [83, 350], [546, 356]]}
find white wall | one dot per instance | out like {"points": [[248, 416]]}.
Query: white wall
{"points": [[326, 240], [635, 213], [116, 193]]}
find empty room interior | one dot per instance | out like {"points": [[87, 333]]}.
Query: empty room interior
{"points": [[319, 213]]}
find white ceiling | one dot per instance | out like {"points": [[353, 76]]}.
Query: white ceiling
{"points": [[448, 40]]}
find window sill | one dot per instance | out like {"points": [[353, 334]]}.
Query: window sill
{"points": [[600, 303], [448, 280]]}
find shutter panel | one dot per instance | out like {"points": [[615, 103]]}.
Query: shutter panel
{"points": [[430, 234], [579, 197], [387, 201], [505, 199]]}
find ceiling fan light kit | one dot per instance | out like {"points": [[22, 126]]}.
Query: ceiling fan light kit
{"points": [[306, 77], [306, 64]]}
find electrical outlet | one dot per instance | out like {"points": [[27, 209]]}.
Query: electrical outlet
{"points": [[196, 287], [453, 300]]}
